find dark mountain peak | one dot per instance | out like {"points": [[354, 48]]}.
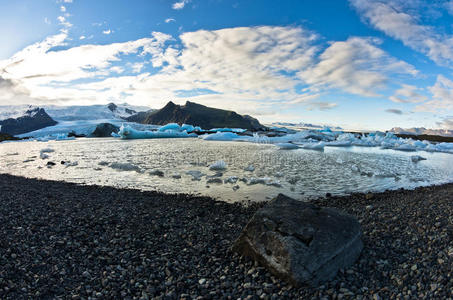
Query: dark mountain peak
{"points": [[197, 115], [112, 106], [34, 118]]}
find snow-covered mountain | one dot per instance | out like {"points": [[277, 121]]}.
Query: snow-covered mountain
{"points": [[75, 113], [93, 112], [422, 130], [19, 122]]}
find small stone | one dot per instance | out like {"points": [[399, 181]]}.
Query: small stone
{"points": [[414, 267], [202, 281]]}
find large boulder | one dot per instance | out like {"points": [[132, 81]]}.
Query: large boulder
{"points": [[104, 130], [300, 242]]}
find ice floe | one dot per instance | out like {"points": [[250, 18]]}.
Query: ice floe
{"points": [[218, 165], [127, 132], [125, 167]]}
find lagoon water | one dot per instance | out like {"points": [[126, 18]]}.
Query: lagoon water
{"points": [[298, 173]]}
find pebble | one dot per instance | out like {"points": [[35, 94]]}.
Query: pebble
{"points": [[62, 240]]}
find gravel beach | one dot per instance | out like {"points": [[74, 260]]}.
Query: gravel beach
{"points": [[62, 240]]}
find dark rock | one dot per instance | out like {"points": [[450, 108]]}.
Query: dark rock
{"points": [[50, 164], [158, 173], [74, 134], [105, 130], [33, 119], [301, 242], [197, 115], [112, 107], [7, 137]]}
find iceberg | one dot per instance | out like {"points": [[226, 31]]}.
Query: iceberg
{"points": [[170, 126], [127, 132], [221, 136], [417, 158], [286, 146], [235, 130], [314, 146]]}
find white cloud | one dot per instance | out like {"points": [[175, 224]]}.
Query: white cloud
{"points": [[356, 65], [180, 4], [446, 123], [170, 20], [442, 96], [64, 22], [62, 8], [408, 94], [47, 21], [396, 19], [108, 31], [321, 105], [82, 37], [248, 69]]}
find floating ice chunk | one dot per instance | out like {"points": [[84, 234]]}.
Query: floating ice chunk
{"points": [[214, 180], [170, 126], [262, 139], [417, 158], [70, 164], [115, 135], [187, 127], [43, 155], [314, 146], [158, 173], [275, 183], [196, 175], [46, 150], [338, 143], [126, 132], [405, 147], [176, 176], [286, 146], [236, 130], [231, 179], [257, 180], [354, 168], [218, 165], [125, 167], [221, 136], [339, 161], [250, 168]]}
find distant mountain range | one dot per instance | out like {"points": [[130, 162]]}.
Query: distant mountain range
{"points": [[422, 131], [197, 115], [305, 125]]}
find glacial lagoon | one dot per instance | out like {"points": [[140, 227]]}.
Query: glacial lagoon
{"points": [[251, 171]]}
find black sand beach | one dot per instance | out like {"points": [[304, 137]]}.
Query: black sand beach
{"points": [[62, 240]]}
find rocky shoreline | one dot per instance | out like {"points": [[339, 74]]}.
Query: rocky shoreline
{"points": [[62, 240]]}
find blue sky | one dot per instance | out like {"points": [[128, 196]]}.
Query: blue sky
{"points": [[359, 64]]}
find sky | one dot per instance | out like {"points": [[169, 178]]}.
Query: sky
{"points": [[362, 64]]}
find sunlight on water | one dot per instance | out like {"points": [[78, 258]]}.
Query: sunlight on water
{"points": [[139, 164]]}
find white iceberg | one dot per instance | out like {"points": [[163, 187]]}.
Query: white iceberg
{"points": [[221, 136], [127, 132], [170, 126], [417, 158], [286, 146]]}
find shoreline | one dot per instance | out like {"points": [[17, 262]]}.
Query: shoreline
{"points": [[75, 241]]}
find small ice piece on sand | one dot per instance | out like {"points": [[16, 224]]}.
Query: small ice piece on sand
{"points": [[196, 175], [158, 173], [259, 180], [286, 146], [231, 179], [354, 168], [340, 161], [235, 188], [218, 165], [176, 176], [12, 154], [417, 158], [250, 168], [103, 163], [43, 156], [125, 167]]}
